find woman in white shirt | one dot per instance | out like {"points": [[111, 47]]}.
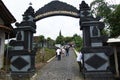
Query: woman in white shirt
{"points": [[79, 60]]}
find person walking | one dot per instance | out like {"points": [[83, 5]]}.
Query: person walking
{"points": [[58, 53], [63, 51], [67, 50], [79, 60]]}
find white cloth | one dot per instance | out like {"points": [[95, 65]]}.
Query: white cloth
{"points": [[58, 51], [79, 57], [63, 51]]}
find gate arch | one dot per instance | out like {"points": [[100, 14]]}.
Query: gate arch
{"points": [[23, 55], [56, 8]]}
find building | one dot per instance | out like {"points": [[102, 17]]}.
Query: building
{"points": [[115, 58], [6, 30]]}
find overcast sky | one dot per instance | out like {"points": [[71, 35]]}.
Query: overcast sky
{"points": [[49, 27]]}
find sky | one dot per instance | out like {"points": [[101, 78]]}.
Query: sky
{"points": [[50, 26]]}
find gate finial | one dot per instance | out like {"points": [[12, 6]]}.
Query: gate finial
{"points": [[84, 5], [30, 3]]}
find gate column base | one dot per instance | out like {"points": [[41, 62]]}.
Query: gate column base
{"points": [[21, 76], [98, 76]]}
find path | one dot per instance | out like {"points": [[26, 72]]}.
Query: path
{"points": [[66, 69]]}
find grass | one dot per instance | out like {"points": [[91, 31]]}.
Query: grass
{"points": [[42, 56]]}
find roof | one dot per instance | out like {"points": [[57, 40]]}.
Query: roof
{"points": [[113, 40], [4, 27], [5, 14], [8, 18]]}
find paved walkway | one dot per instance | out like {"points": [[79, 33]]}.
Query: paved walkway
{"points": [[66, 69]]}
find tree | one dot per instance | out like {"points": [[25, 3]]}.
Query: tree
{"points": [[114, 21], [100, 8], [108, 14], [77, 40], [50, 42], [68, 40], [41, 40], [60, 40]]}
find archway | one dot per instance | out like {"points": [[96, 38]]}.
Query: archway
{"points": [[93, 50], [56, 8], [22, 52]]}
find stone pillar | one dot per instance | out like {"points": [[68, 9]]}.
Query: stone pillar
{"points": [[22, 54], [2, 39], [95, 54]]}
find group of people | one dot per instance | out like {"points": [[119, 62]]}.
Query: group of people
{"points": [[65, 51], [62, 51]]}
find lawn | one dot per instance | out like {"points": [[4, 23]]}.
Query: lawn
{"points": [[42, 56]]}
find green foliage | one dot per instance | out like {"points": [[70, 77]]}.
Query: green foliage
{"points": [[105, 32], [60, 40], [114, 21], [110, 14], [68, 40], [77, 40], [43, 56], [41, 40], [78, 49], [48, 53], [50, 42], [101, 8]]}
